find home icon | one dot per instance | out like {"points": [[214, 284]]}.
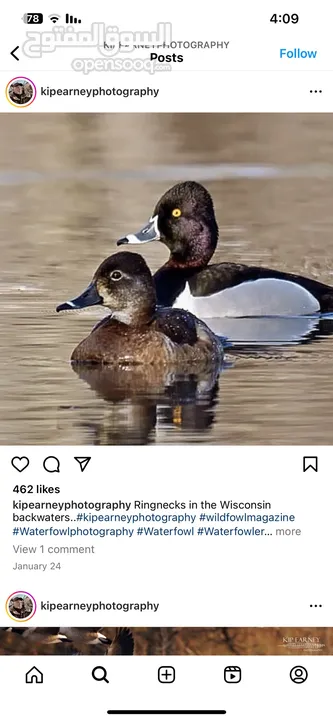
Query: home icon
{"points": [[34, 676]]}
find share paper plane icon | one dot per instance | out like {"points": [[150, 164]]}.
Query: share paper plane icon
{"points": [[83, 462]]}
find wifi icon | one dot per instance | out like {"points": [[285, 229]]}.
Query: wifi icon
{"points": [[54, 18]]}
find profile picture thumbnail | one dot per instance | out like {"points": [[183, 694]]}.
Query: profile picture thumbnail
{"points": [[21, 92], [20, 606]]}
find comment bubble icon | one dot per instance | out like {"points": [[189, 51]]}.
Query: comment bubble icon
{"points": [[51, 464]]}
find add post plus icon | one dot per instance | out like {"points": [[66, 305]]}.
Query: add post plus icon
{"points": [[166, 674]]}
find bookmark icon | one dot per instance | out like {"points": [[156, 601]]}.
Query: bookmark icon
{"points": [[310, 462]]}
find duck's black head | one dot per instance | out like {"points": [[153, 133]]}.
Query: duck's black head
{"points": [[184, 220], [123, 283]]}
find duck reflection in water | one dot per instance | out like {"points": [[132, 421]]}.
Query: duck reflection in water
{"points": [[141, 401]]}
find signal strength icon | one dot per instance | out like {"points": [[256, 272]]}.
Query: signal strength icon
{"points": [[70, 20], [54, 17]]}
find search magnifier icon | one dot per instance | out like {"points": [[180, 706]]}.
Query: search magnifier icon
{"points": [[99, 673]]}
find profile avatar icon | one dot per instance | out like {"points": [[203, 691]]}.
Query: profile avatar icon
{"points": [[298, 674], [21, 92], [20, 606]]}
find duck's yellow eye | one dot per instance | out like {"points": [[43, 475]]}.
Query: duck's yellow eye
{"points": [[116, 275], [176, 212]]}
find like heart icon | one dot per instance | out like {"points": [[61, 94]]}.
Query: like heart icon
{"points": [[20, 463]]}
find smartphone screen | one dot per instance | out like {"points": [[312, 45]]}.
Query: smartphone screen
{"points": [[166, 335]]}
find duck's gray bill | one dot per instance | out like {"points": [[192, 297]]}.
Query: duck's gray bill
{"points": [[89, 297], [147, 234]]}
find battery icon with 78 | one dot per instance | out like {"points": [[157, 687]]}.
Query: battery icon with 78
{"points": [[33, 18]]}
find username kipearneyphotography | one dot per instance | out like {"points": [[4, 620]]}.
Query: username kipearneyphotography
{"points": [[166, 641], [166, 278]]}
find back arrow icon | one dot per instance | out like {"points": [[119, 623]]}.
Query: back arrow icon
{"points": [[14, 51]]}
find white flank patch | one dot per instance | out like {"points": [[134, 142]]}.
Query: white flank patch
{"points": [[259, 298]]}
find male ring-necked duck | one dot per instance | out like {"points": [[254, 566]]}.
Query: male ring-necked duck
{"points": [[135, 331], [184, 220]]}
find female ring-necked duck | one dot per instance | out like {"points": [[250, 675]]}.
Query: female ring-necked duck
{"points": [[184, 220], [135, 331]]}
